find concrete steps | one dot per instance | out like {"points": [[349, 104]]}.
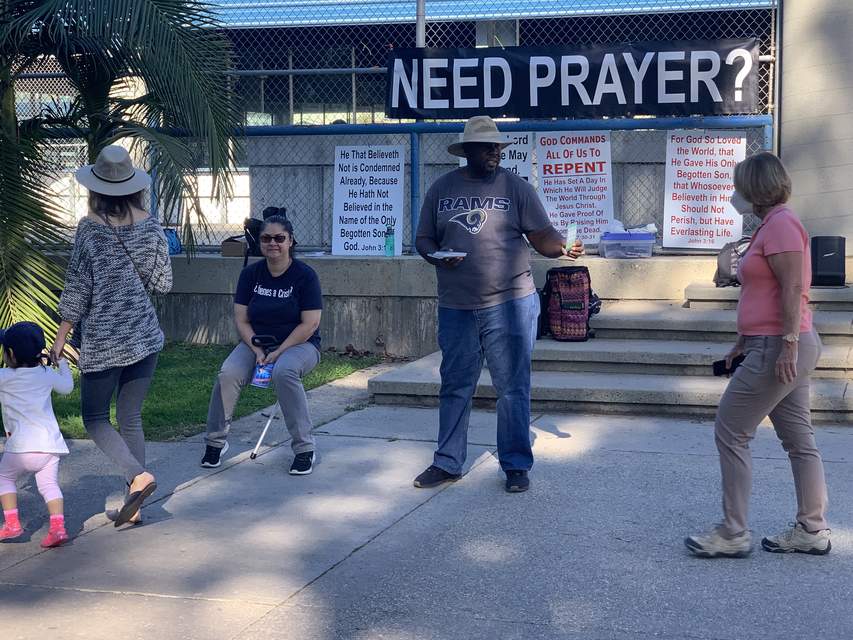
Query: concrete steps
{"points": [[670, 321], [418, 384], [706, 296], [648, 357], [664, 357]]}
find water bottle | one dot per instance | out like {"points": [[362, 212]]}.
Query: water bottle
{"points": [[262, 376], [389, 241]]}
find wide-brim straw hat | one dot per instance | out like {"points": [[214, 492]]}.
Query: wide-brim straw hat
{"points": [[479, 129], [113, 174]]}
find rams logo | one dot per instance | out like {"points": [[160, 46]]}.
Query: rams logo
{"points": [[473, 220]]}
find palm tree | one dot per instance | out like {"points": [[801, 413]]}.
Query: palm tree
{"points": [[183, 117]]}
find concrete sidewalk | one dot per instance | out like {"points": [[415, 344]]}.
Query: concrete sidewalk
{"points": [[594, 550]]}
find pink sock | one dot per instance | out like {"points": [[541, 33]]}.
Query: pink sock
{"points": [[12, 520], [57, 522]]}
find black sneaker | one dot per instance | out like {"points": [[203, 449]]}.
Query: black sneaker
{"points": [[517, 481], [213, 456], [303, 464], [434, 476]]}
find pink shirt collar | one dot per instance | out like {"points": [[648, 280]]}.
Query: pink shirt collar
{"points": [[771, 213]]}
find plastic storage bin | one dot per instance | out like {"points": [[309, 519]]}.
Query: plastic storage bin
{"points": [[626, 245]]}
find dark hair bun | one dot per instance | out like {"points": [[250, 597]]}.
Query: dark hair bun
{"points": [[274, 211]]}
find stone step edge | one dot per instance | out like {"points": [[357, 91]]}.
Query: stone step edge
{"points": [[827, 394], [821, 416], [616, 351]]}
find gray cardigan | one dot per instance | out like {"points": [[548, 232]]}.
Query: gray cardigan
{"points": [[108, 300]]}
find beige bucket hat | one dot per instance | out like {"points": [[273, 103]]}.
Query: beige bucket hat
{"points": [[113, 174], [479, 129]]}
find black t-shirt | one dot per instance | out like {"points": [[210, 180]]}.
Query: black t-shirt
{"points": [[276, 304]]}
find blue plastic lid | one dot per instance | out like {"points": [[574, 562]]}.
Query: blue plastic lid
{"points": [[628, 236]]}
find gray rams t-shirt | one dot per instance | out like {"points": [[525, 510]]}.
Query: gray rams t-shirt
{"points": [[486, 218]]}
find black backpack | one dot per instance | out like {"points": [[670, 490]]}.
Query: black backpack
{"points": [[566, 303], [252, 232], [728, 260]]}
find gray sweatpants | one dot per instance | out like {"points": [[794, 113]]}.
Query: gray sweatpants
{"points": [[287, 375], [754, 393]]}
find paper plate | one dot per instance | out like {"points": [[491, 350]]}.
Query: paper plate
{"points": [[441, 255]]}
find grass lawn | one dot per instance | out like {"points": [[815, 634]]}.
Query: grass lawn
{"points": [[176, 405]]}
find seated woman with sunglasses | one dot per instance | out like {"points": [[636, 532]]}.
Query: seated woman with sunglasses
{"points": [[277, 296]]}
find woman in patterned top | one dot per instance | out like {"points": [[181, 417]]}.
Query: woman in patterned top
{"points": [[120, 257]]}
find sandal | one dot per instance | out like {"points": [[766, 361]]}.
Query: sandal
{"points": [[133, 503], [112, 516]]}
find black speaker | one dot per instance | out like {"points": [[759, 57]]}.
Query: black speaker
{"points": [[828, 258]]}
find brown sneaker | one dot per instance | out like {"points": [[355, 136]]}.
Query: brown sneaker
{"points": [[714, 545], [798, 540]]}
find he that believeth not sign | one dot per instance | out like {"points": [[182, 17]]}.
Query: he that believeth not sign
{"points": [[576, 180], [368, 199], [699, 184]]}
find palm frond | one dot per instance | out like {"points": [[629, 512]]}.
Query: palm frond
{"points": [[175, 46], [177, 49], [173, 164], [29, 279]]}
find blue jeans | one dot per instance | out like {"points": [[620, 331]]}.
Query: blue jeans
{"points": [[504, 335]]}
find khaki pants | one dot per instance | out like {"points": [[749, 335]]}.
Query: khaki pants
{"points": [[753, 393]]}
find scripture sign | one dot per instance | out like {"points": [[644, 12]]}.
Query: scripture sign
{"points": [[368, 199], [518, 157], [575, 180], [699, 184], [654, 78]]}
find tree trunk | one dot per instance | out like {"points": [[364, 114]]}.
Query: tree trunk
{"points": [[8, 119]]}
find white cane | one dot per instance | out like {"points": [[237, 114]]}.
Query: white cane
{"points": [[273, 414], [267, 343]]}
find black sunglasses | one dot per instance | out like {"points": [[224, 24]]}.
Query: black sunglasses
{"points": [[279, 238]]}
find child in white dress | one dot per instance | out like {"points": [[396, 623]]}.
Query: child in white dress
{"points": [[33, 440]]}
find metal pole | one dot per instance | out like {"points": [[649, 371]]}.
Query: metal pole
{"points": [[263, 80], [337, 71], [420, 24], [415, 179], [354, 97], [778, 35], [768, 137], [290, 84], [614, 124]]}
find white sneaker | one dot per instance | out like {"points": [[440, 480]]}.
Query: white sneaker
{"points": [[798, 540], [715, 545]]}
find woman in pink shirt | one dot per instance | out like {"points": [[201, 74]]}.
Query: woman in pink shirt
{"points": [[781, 349]]}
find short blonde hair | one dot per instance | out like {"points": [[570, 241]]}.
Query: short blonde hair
{"points": [[763, 180]]}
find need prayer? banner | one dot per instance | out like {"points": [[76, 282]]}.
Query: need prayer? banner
{"points": [[717, 77]]}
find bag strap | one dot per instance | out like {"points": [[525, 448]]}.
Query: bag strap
{"points": [[142, 279]]}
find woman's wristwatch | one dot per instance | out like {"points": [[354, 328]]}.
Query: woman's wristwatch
{"points": [[791, 338]]}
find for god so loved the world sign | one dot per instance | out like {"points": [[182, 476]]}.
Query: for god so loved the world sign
{"points": [[699, 180]]}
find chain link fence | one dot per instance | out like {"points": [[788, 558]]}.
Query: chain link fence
{"points": [[297, 172], [638, 177], [277, 87], [322, 64]]}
